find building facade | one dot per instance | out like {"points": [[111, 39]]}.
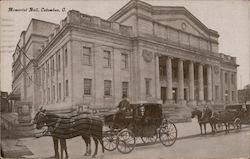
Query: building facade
{"points": [[144, 52]]}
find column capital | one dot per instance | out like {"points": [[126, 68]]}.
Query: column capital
{"points": [[170, 57], [157, 54], [181, 59]]}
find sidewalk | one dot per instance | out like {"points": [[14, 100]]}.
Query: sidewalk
{"points": [[43, 147]]}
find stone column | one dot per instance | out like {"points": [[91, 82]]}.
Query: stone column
{"points": [[200, 83], [180, 81], [229, 88], [169, 80], [222, 86], [157, 77], [235, 87], [191, 81], [209, 83]]}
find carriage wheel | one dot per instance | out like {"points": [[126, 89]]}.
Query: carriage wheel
{"points": [[168, 134], [109, 140], [125, 142], [237, 123]]}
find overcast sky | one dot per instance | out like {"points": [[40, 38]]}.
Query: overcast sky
{"points": [[230, 18]]}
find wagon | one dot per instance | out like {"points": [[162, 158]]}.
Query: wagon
{"points": [[142, 123], [238, 114]]}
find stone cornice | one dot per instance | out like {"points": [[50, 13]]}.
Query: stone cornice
{"points": [[161, 10], [196, 53]]}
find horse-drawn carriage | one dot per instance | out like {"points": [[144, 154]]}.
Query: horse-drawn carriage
{"points": [[143, 121], [238, 114]]}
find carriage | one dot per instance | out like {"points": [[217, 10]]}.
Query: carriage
{"points": [[238, 114], [144, 121]]}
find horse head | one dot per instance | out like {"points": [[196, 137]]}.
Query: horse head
{"points": [[40, 118]]}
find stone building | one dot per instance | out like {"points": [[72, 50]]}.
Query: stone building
{"points": [[147, 53]]}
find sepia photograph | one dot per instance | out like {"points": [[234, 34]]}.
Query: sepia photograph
{"points": [[125, 79]]}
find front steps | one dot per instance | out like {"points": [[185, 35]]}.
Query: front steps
{"points": [[177, 114]]}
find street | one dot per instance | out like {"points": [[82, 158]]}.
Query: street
{"points": [[232, 145]]}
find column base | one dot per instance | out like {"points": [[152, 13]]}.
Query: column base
{"points": [[169, 101], [192, 103], [201, 102], [210, 102], [182, 102]]}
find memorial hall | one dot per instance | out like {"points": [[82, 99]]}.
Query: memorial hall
{"points": [[142, 52]]}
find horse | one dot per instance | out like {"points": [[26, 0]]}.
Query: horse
{"points": [[226, 117], [70, 128], [203, 118]]}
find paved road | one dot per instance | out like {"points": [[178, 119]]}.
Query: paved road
{"points": [[233, 145]]}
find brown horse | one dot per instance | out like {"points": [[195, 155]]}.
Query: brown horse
{"points": [[223, 117], [202, 118], [64, 128]]}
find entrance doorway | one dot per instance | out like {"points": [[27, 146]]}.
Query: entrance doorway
{"points": [[175, 95], [163, 94]]}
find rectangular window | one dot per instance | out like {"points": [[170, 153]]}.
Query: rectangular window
{"points": [[233, 96], [107, 59], [147, 83], [226, 78], [53, 93], [87, 86], [53, 67], [232, 78], [47, 69], [58, 62], [226, 96], [43, 73], [124, 61], [67, 88], [59, 91], [48, 95], [86, 56], [217, 92], [124, 89], [107, 88], [65, 57]]}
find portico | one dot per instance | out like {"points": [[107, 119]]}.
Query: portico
{"points": [[185, 81]]}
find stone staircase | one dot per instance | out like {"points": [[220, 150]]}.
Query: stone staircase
{"points": [[176, 113]]}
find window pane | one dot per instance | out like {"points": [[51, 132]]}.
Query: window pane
{"points": [[107, 87], [124, 89], [147, 86], [67, 88], [107, 59], [86, 56], [124, 61], [87, 86], [66, 57]]}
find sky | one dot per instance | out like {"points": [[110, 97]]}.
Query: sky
{"points": [[231, 18]]}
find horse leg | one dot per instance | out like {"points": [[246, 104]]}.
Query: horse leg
{"points": [[62, 147], [211, 124], [205, 128], [87, 142], [96, 146], [55, 142], [200, 128], [101, 141], [225, 126], [66, 149]]}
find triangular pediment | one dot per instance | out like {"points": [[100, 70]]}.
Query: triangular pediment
{"points": [[176, 17], [182, 19]]}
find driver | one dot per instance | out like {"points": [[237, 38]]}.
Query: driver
{"points": [[123, 106]]}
